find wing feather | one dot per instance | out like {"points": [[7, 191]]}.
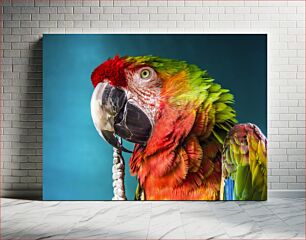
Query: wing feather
{"points": [[244, 160]]}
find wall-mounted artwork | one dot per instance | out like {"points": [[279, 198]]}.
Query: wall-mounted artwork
{"points": [[155, 117]]}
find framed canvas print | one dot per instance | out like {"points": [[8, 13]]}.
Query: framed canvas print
{"points": [[155, 117]]}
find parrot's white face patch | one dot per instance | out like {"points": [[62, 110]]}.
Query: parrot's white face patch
{"points": [[144, 88], [102, 120]]}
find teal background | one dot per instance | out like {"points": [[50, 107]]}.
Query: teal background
{"points": [[77, 163]]}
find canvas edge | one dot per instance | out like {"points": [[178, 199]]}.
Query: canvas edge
{"points": [[37, 194]]}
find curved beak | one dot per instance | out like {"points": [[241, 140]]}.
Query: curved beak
{"points": [[113, 114], [112, 140]]}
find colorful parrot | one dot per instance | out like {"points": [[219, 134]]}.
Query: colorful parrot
{"points": [[187, 143]]}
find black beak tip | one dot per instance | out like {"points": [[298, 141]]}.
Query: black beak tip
{"points": [[112, 140]]}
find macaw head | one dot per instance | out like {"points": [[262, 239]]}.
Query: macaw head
{"points": [[131, 92]]}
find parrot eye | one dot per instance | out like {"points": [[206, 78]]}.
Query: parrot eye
{"points": [[145, 74]]}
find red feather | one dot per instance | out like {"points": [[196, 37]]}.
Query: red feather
{"points": [[111, 70]]}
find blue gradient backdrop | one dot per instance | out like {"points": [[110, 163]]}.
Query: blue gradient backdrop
{"points": [[77, 163]]}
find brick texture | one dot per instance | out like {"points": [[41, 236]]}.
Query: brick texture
{"points": [[24, 22]]}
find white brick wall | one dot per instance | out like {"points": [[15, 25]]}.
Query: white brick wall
{"points": [[24, 21]]}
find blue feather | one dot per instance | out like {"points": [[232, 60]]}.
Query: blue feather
{"points": [[229, 189]]}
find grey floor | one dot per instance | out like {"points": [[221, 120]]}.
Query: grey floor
{"points": [[274, 219]]}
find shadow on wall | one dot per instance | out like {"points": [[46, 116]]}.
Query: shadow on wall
{"points": [[30, 129]]}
